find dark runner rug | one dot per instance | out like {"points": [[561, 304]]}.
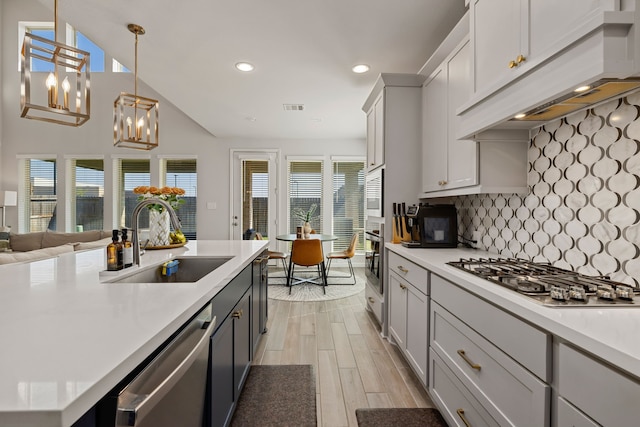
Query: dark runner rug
{"points": [[277, 395], [405, 417]]}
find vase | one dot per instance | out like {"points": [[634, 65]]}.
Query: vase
{"points": [[306, 229], [158, 228]]}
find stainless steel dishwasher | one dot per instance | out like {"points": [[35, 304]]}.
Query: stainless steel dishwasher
{"points": [[171, 389]]}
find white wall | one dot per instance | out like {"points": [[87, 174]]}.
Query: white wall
{"points": [[178, 133]]}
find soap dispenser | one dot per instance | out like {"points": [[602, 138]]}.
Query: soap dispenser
{"points": [[127, 249], [115, 253]]}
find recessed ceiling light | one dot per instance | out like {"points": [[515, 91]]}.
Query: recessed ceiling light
{"points": [[582, 89], [244, 66], [360, 68], [519, 116]]}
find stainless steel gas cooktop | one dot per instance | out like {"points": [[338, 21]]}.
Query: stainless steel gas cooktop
{"points": [[551, 285]]}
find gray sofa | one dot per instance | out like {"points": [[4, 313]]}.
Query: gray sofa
{"points": [[46, 244]]}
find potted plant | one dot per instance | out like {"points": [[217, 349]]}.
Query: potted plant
{"points": [[306, 216]]}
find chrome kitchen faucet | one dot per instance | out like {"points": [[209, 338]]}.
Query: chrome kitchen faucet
{"points": [[175, 222]]}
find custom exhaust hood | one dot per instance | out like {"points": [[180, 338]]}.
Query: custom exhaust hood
{"points": [[581, 97]]}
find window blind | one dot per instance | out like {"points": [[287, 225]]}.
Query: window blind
{"points": [[41, 194], [131, 173], [305, 190], [348, 203], [88, 194], [183, 173]]}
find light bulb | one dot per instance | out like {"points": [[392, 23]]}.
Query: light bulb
{"points": [[52, 89], [66, 86], [51, 81]]}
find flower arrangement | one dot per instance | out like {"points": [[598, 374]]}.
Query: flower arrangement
{"points": [[168, 194], [303, 215]]}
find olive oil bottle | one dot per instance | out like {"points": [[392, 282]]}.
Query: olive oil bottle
{"points": [[115, 253]]}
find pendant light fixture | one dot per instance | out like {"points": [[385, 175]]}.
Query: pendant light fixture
{"points": [[135, 118], [51, 100]]}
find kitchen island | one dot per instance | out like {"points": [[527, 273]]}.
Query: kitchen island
{"points": [[68, 338], [497, 357]]}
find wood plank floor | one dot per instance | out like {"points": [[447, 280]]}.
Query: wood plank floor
{"points": [[355, 367]]}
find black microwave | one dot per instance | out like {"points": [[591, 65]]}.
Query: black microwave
{"points": [[437, 226]]}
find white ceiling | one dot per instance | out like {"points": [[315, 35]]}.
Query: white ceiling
{"points": [[303, 52]]}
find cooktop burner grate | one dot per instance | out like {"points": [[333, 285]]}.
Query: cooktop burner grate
{"points": [[550, 285]]}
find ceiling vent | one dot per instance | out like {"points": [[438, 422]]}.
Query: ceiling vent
{"points": [[293, 107]]}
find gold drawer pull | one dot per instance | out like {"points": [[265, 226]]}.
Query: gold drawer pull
{"points": [[403, 287], [460, 413], [513, 64], [237, 314], [520, 59], [469, 362], [371, 300], [404, 270]]}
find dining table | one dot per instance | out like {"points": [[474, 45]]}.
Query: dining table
{"points": [[317, 236]]}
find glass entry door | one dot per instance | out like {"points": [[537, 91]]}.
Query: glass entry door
{"points": [[254, 195]]}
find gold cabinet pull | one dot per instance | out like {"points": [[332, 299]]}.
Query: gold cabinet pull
{"points": [[513, 64], [237, 314], [404, 270], [371, 300], [460, 413], [469, 362], [403, 287], [520, 59]]}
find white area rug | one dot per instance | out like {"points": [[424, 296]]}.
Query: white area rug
{"points": [[336, 289]]}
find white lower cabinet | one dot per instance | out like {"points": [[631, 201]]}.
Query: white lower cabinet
{"points": [[604, 394], [456, 403], [499, 360], [511, 394], [570, 416], [409, 314]]}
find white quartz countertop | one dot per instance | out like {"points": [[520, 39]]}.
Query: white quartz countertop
{"points": [[66, 338], [610, 333]]}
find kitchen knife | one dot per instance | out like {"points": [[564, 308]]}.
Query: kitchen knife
{"points": [[405, 228], [400, 219], [394, 224]]}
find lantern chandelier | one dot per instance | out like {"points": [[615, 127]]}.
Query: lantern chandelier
{"points": [[135, 118], [41, 54]]}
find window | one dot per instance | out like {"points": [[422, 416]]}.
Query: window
{"points": [[183, 173], [305, 190], [117, 67], [87, 195], [131, 173], [74, 38], [96, 54], [348, 203], [40, 193], [255, 200]]}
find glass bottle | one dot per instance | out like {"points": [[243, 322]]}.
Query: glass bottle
{"points": [[127, 249], [114, 253]]}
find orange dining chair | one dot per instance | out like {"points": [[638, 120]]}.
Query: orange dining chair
{"points": [[346, 254], [277, 256], [307, 253]]}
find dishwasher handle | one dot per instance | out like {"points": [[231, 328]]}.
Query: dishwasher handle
{"points": [[137, 406]]}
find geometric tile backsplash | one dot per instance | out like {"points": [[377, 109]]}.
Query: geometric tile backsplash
{"points": [[582, 211]]}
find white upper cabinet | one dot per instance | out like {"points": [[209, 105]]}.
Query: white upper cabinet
{"points": [[393, 116], [451, 166], [447, 162], [500, 36], [527, 53]]}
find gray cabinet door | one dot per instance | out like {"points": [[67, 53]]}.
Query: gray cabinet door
{"points": [[222, 385], [242, 347]]}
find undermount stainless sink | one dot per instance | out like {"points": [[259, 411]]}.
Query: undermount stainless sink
{"points": [[190, 269]]}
